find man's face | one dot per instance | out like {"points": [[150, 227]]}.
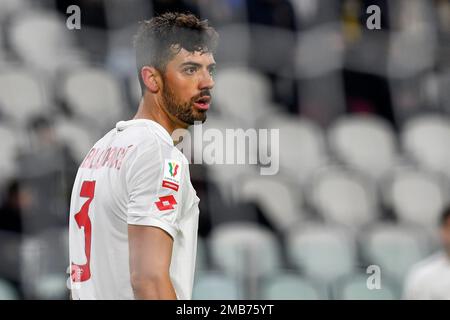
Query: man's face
{"points": [[187, 82]]}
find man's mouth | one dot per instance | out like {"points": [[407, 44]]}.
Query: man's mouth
{"points": [[203, 103]]}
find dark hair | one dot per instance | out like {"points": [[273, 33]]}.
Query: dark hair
{"points": [[162, 37], [445, 215]]}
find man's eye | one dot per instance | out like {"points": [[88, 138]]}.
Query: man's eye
{"points": [[190, 70], [212, 72]]}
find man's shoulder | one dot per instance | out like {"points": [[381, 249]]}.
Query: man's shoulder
{"points": [[427, 267]]}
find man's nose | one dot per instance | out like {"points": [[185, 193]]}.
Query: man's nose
{"points": [[207, 81]]}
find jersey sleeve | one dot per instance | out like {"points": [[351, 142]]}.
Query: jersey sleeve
{"points": [[154, 191]]}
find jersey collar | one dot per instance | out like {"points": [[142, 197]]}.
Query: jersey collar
{"points": [[159, 129]]}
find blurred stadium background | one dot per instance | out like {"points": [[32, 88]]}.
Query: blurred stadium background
{"points": [[364, 139]]}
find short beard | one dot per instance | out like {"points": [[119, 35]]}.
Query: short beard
{"points": [[183, 111]]}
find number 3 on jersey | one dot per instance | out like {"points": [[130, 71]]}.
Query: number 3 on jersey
{"points": [[80, 273]]}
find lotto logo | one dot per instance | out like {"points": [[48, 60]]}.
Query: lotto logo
{"points": [[166, 203]]}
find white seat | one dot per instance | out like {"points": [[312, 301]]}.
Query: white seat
{"points": [[7, 291], [21, 95], [215, 286], [10, 243], [95, 95], [234, 44], [9, 7], [344, 197], [225, 164], [322, 98], [394, 248], [322, 252], [301, 145], [10, 145], [319, 51], [313, 12], [278, 198], [201, 261], [413, 38], [410, 52], [444, 93], [366, 142], [75, 136], [417, 197], [241, 94], [44, 256], [275, 56], [425, 138], [52, 287], [354, 287], [367, 55], [244, 249], [41, 39], [290, 286]]}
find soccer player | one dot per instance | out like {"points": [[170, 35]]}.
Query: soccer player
{"points": [[134, 212]]}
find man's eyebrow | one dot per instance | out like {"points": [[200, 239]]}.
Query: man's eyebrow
{"points": [[195, 64]]}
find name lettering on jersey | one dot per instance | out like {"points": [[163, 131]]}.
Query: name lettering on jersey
{"points": [[172, 174], [111, 158], [166, 203]]}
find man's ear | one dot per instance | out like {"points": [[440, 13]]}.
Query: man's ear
{"points": [[151, 78]]}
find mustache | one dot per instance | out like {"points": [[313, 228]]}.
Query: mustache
{"points": [[203, 93]]}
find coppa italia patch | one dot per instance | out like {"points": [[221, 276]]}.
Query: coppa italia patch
{"points": [[172, 174]]}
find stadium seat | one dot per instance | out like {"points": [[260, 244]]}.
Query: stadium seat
{"points": [[44, 258], [354, 287], [221, 171], [7, 291], [280, 200], [301, 145], [10, 244], [315, 12], [101, 103], [240, 92], [417, 197], [75, 136], [368, 54], [52, 287], [343, 196], [321, 252], [215, 286], [444, 94], [42, 40], [319, 51], [10, 146], [21, 96], [244, 249], [365, 142], [234, 45], [394, 248], [201, 262], [291, 286], [10, 7], [425, 138], [275, 56]]}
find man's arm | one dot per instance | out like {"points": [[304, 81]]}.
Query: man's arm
{"points": [[150, 256]]}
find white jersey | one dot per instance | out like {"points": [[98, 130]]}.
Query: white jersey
{"points": [[429, 279], [133, 175]]}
